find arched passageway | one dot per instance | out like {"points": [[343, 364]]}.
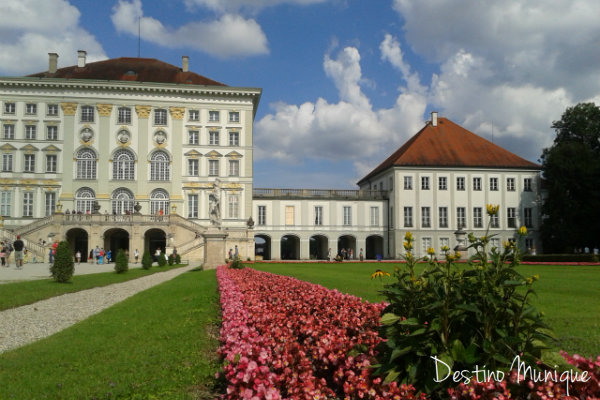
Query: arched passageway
{"points": [[155, 239], [318, 247], [116, 239], [78, 241], [262, 247], [374, 247], [347, 246], [290, 247]]}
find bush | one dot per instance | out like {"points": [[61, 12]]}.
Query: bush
{"points": [[561, 258], [236, 264], [146, 260], [171, 259], [162, 260], [63, 267], [121, 263], [475, 315], [177, 259]]}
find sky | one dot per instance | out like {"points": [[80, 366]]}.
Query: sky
{"points": [[345, 82]]}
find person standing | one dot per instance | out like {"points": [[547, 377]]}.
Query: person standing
{"points": [[3, 254], [78, 256], [136, 254], [329, 255], [97, 254], [361, 254], [19, 246], [236, 253], [8, 249]]}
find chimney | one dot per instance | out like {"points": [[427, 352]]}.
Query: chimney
{"points": [[81, 58], [185, 63], [434, 118], [52, 63]]}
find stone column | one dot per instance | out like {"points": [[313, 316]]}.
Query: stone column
{"points": [[214, 248], [69, 138], [104, 137], [143, 138]]}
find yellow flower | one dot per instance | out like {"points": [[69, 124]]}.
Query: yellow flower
{"points": [[408, 237], [431, 251], [379, 274], [445, 249], [407, 245], [457, 255], [523, 231], [492, 209]]}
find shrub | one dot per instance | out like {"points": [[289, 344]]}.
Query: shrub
{"points": [[121, 263], [162, 260], [584, 258], [171, 259], [177, 259], [479, 314], [63, 267], [146, 260], [236, 264]]}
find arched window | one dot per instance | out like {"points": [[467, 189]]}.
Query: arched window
{"points": [[122, 201], [159, 166], [86, 164], [123, 165], [84, 200], [159, 200]]}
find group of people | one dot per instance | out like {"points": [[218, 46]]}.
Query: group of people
{"points": [[97, 255], [345, 254], [7, 248]]}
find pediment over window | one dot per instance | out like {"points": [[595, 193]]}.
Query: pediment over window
{"points": [[52, 148], [234, 154], [29, 147], [213, 154], [193, 153], [8, 147]]}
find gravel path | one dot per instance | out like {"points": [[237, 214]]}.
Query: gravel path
{"points": [[22, 325]]}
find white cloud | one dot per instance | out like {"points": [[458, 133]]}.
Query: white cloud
{"points": [[30, 29], [228, 36], [225, 6]]}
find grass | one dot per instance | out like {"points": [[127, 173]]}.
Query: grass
{"points": [[569, 296], [159, 344], [28, 292]]}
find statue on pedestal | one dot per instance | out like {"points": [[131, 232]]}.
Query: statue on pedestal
{"points": [[214, 204]]}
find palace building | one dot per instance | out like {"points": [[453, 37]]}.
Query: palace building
{"points": [[135, 153]]}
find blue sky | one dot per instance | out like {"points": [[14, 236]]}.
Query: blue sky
{"points": [[345, 82]]}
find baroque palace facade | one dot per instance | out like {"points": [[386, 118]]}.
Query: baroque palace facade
{"points": [[136, 153]]}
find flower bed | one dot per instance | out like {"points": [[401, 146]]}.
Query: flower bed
{"points": [[283, 338]]}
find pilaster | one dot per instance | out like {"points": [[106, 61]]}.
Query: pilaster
{"points": [[143, 139], [104, 137], [69, 138]]}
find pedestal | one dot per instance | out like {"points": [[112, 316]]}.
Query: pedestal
{"points": [[214, 248]]}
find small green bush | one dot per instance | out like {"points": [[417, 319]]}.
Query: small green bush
{"points": [[162, 260], [121, 263], [561, 258], [171, 259], [146, 260], [63, 268], [177, 259], [236, 264]]}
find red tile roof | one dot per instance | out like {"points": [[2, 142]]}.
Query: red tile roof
{"points": [[450, 145], [130, 69]]}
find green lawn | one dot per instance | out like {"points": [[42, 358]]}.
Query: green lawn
{"points": [[569, 296]]}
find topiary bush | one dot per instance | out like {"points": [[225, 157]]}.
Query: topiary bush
{"points": [[162, 260], [146, 260], [177, 259], [236, 264], [121, 262], [171, 259], [63, 267], [455, 318]]}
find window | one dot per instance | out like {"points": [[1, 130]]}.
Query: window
{"points": [[234, 116], [51, 162], [159, 200], [461, 217], [477, 217], [9, 108], [494, 184], [528, 217], [408, 219], [193, 137], [28, 204], [192, 206], [52, 132], [52, 110], [318, 215], [511, 217], [29, 165], [86, 164], [9, 131], [122, 201], [213, 138], [443, 214], [234, 206], [124, 115], [424, 183], [123, 165], [347, 215], [477, 184], [5, 203], [213, 167], [495, 220], [50, 203], [442, 183], [262, 215], [30, 132], [374, 214], [495, 242], [527, 185], [234, 168], [84, 200], [234, 138], [213, 116], [160, 117], [460, 183], [529, 244], [87, 114], [7, 162], [289, 215], [444, 243], [193, 167], [30, 108], [425, 217], [160, 166], [194, 115], [425, 244], [408, 183], [510, 184]]}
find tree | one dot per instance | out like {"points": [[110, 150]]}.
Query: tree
{"points": [[63, 267], [146, 260], [121, 263], [571, 171]]}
